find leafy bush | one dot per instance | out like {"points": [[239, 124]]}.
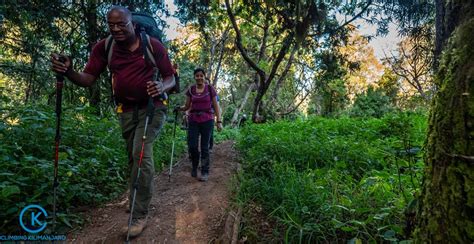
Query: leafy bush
{"points": [[333, 180], [227, 133], [92, 161], [372, 103]]}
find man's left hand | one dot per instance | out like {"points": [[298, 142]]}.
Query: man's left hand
{"points": [[154, 88]]}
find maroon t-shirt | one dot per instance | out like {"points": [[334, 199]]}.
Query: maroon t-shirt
{"points": [[130, 71], [201, 104]]}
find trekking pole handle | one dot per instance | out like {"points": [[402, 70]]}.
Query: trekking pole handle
{"points": [[60, 76], [163, 96], [151, 105], [59, 95]]}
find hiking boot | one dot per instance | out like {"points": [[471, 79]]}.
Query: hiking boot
{"points": [[137, 227], [204, 177], [194, 173]]}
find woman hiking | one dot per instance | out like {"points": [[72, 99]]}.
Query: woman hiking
{"points": [[202, 102]]}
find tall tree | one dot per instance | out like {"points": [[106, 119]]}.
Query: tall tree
{"points": [[297, 24], [213, 28], [363, 68], [26, 34], [292, 32], [90, 13], [414, 61], [446, 209]]}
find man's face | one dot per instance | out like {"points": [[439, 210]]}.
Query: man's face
{"points": [[120, 26]]}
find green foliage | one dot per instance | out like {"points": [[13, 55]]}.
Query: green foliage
{"points": [[332, 180], [371, 103], [92, 161], [227, 133], [164, 143], [31, 31], [331, 96], [388, 84]]}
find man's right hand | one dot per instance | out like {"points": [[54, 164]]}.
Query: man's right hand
{"points": [[58, 66]]}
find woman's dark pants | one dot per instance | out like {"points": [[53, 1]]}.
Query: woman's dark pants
{"points": [[194, 130]]}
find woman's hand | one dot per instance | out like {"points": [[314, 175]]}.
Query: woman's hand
{"points": [[219, 126]]}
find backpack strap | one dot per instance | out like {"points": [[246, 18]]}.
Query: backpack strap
{"points": [[109, 43], [148, 53], [210, 94], [149, 50], [206, 87]]}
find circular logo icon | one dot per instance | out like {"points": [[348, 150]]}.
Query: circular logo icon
{"points": [[33, 218]]}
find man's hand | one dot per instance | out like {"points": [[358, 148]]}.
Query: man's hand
{"points": [[154, 88], [60, 63]]}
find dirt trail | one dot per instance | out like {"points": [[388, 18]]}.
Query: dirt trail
{"points": [[184, 210]]}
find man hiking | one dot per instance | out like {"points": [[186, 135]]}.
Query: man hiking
{"points": [[133, 84]]}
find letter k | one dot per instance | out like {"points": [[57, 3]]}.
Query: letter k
{"points": [[35, 219]]}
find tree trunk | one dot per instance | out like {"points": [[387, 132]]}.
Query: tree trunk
{"points": [[212, 53], [90, 12], [30, 90], [279, 82], [235, 117], [221, 55], [265, 81], [446, 209], [447, 18]]}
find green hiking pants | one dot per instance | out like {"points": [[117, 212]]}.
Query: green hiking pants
{"points": [[133, 126]]}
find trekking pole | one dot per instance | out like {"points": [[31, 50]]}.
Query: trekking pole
{"points": [[172, 147], [57, 139], [149, 117]]}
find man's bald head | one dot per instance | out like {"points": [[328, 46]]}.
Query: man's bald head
{"points": [[120, 10], [121, 27]]}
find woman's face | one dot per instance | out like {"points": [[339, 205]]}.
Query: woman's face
{"points": [[199, 77]]}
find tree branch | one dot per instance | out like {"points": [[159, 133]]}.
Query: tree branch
{"points": [[281, 55], [238, 42], [296, 106], [355, 17], [283, 74]]}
